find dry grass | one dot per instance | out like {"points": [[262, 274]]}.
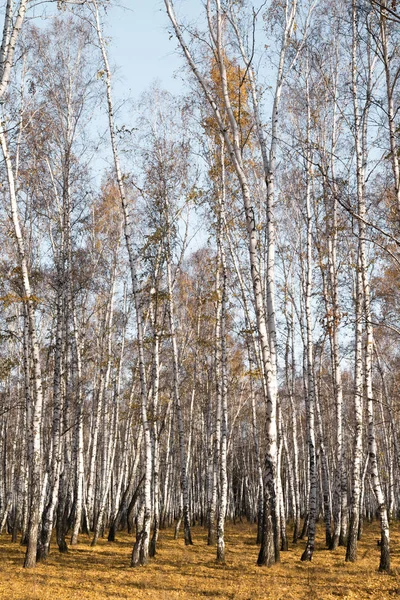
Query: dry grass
{"points": [[178, 572]]}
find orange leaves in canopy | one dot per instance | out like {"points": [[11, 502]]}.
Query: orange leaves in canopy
{"points": [[107, 217], [238, 92]]}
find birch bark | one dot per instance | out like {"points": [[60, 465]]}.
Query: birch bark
{"points": [[141, 547]]}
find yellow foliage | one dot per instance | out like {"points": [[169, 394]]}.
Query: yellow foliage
{"points": [[107, 216], [10, 299], [238, 91]]}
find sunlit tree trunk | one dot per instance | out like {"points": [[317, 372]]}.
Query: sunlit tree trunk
{"points": [[221, 364], [78, 440], [48, 514], [141, 547], [176, 382], [351, 552], [311, 396], [156, 440], [390, 80], [35, 446]]}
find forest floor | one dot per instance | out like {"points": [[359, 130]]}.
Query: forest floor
{"points": [[191, 572]]}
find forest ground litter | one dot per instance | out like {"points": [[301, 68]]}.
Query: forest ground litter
{"points": [[177, 571]]}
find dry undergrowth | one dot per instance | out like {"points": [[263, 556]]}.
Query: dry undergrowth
{"points": [[178, 572]]}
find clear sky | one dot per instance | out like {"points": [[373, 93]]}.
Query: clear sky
{"points": [[140, 47], [142, 51]]}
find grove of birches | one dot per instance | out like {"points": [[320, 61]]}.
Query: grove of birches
{"points": [[199, 293]]}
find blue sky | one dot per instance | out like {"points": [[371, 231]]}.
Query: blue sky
{"points": [[142, 51], [140, 47]]}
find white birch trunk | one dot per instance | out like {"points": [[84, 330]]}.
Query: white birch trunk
{"points": [[35, 447], [176, 384], [141, 547], [311, 397]]}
